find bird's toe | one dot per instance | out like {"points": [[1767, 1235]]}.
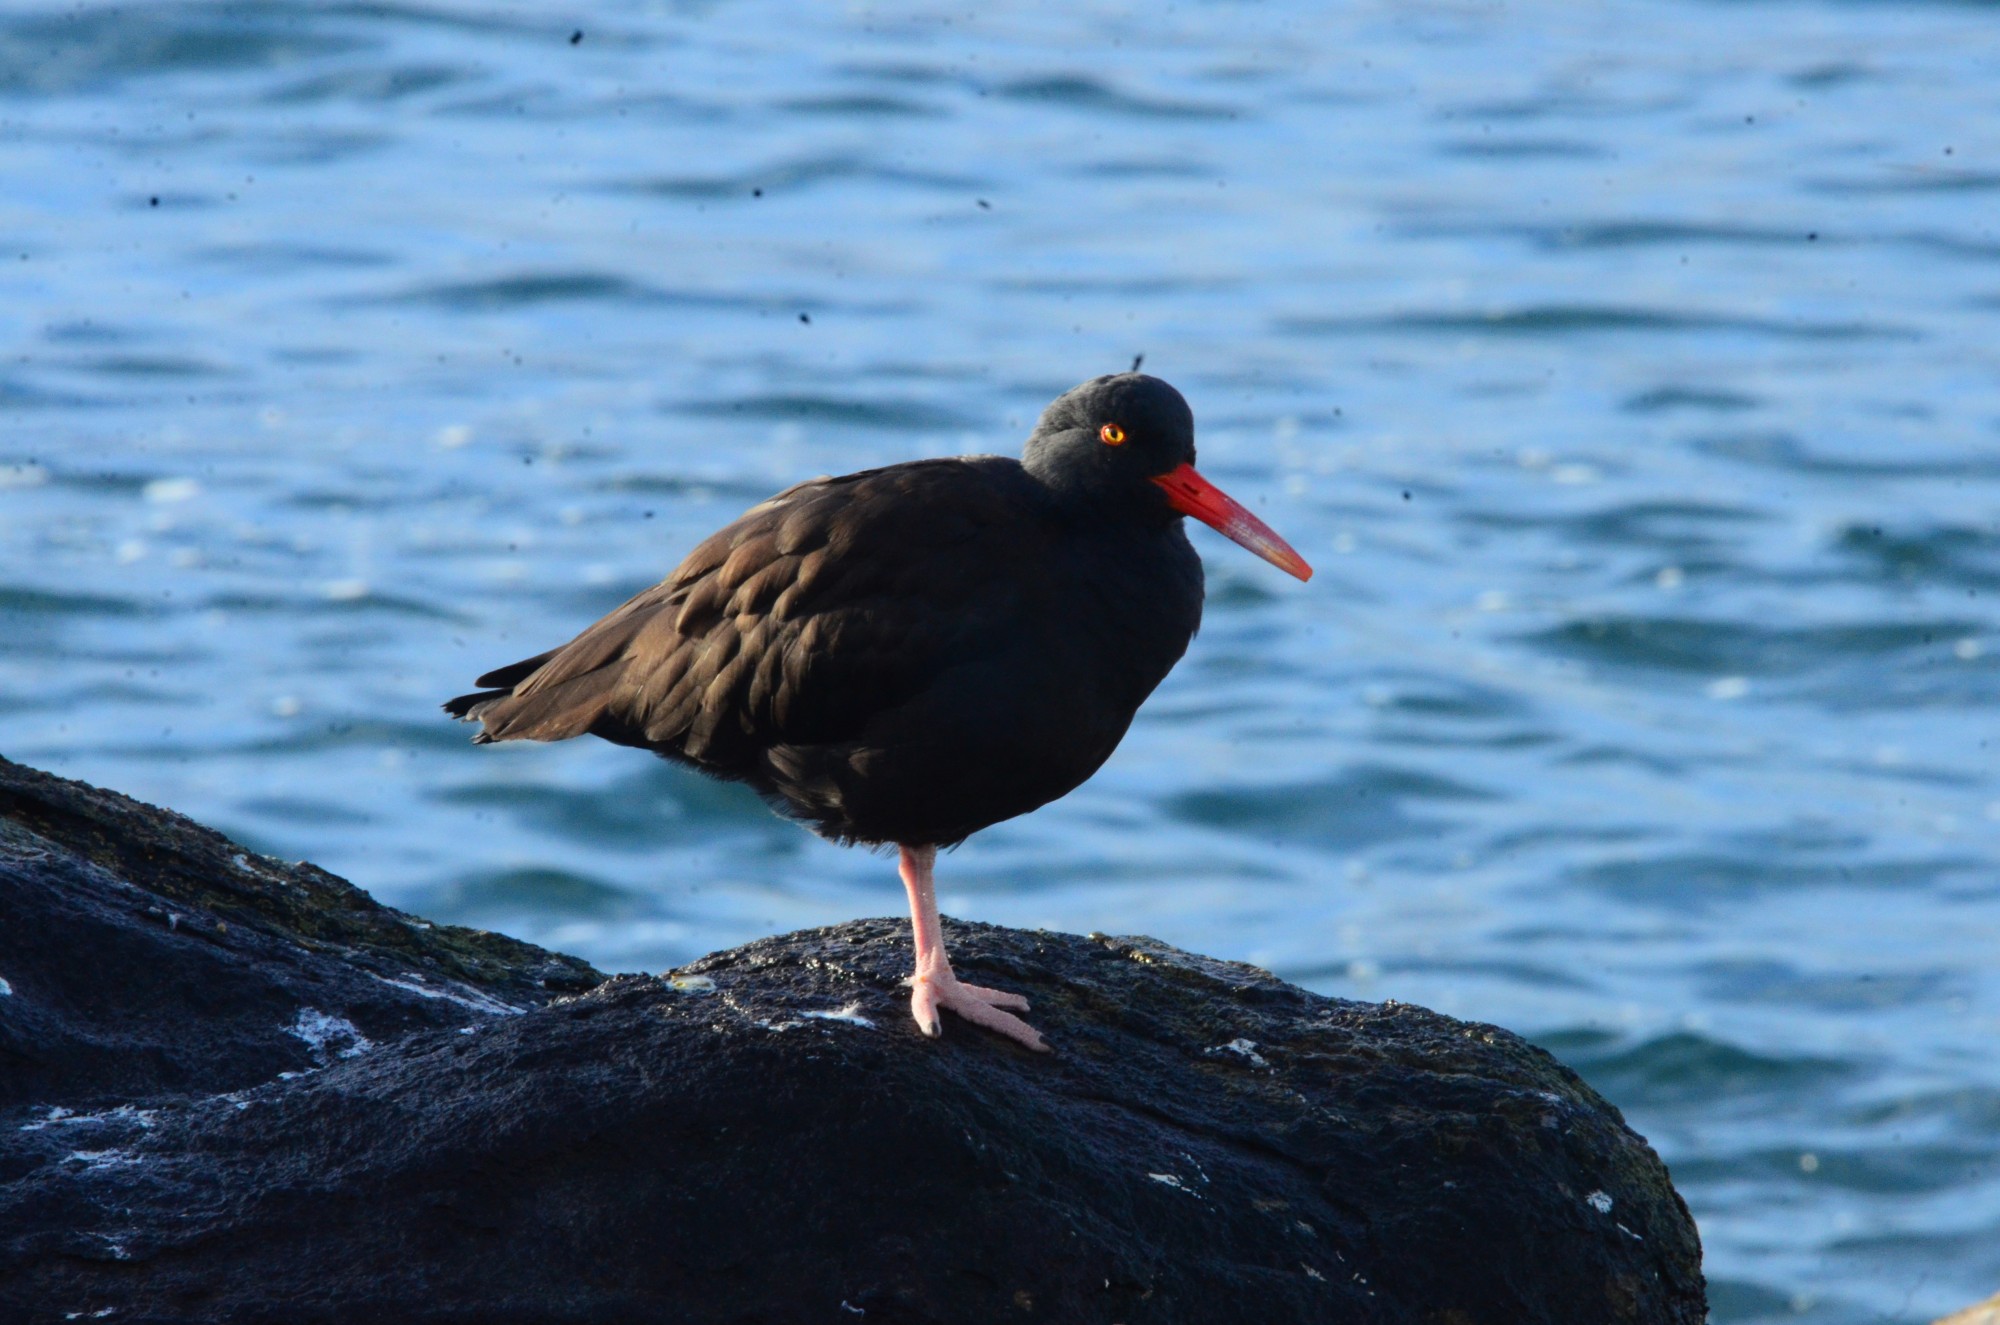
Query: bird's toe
{"points": [[997, 998], [1002, 1023]]}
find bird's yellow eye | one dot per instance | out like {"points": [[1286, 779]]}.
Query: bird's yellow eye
{"points": [[1112, 435]]}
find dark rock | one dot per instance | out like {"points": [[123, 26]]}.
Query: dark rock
{"points": [[147, 954], [760, 1137]]}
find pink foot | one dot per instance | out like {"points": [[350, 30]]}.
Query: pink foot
{"points": [[933, 985], [975, 1003]]}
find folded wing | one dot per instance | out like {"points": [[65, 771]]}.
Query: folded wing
{"points": [[798, 625]]}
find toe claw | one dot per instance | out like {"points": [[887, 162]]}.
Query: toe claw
{"points": [[923, 1008]]}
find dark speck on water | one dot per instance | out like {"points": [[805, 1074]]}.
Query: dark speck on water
{"points": [[1627, 738]]}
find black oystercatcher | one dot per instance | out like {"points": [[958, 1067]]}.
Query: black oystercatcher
{"points": [[910, 654]]}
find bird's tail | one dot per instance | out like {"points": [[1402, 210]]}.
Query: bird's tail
{"points": [[475, 706], [469, 708]]}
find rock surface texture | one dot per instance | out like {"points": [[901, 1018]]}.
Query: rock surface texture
{"points": [[232, 1089]]}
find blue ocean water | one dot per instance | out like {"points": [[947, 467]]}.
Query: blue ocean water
{"points": [[1629, 371]]}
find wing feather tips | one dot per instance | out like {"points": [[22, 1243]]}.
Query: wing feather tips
{"points": [[466, 707], [506, 678], [473, 708]]}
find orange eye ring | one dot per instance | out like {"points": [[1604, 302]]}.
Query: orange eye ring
{"points": [[1111, 435]]}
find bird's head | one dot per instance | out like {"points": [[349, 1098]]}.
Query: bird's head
{"points": [[1126, 440]]}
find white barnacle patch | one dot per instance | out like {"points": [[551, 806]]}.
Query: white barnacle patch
{"points": [[691, 984], [323, 1030], [125, 1115], [1599, 1201], [94, 1161], [465, 997], [1173, 1180], [256, 868], [1241, 1048], [851, 1014]]}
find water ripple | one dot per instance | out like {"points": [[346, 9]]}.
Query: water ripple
{"points": [[906, 415], [1082, 92], [1562, 320]]}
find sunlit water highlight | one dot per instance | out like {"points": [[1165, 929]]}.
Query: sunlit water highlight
{"points": [[1629, 371]]}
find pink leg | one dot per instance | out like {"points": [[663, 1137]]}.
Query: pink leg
{"points": [[932, 985]]}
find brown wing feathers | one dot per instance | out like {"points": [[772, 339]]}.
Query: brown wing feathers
{"points": [[715, 654], [774, 652]]}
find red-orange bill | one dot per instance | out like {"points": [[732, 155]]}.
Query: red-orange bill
{"points": [[1191, 494]]}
